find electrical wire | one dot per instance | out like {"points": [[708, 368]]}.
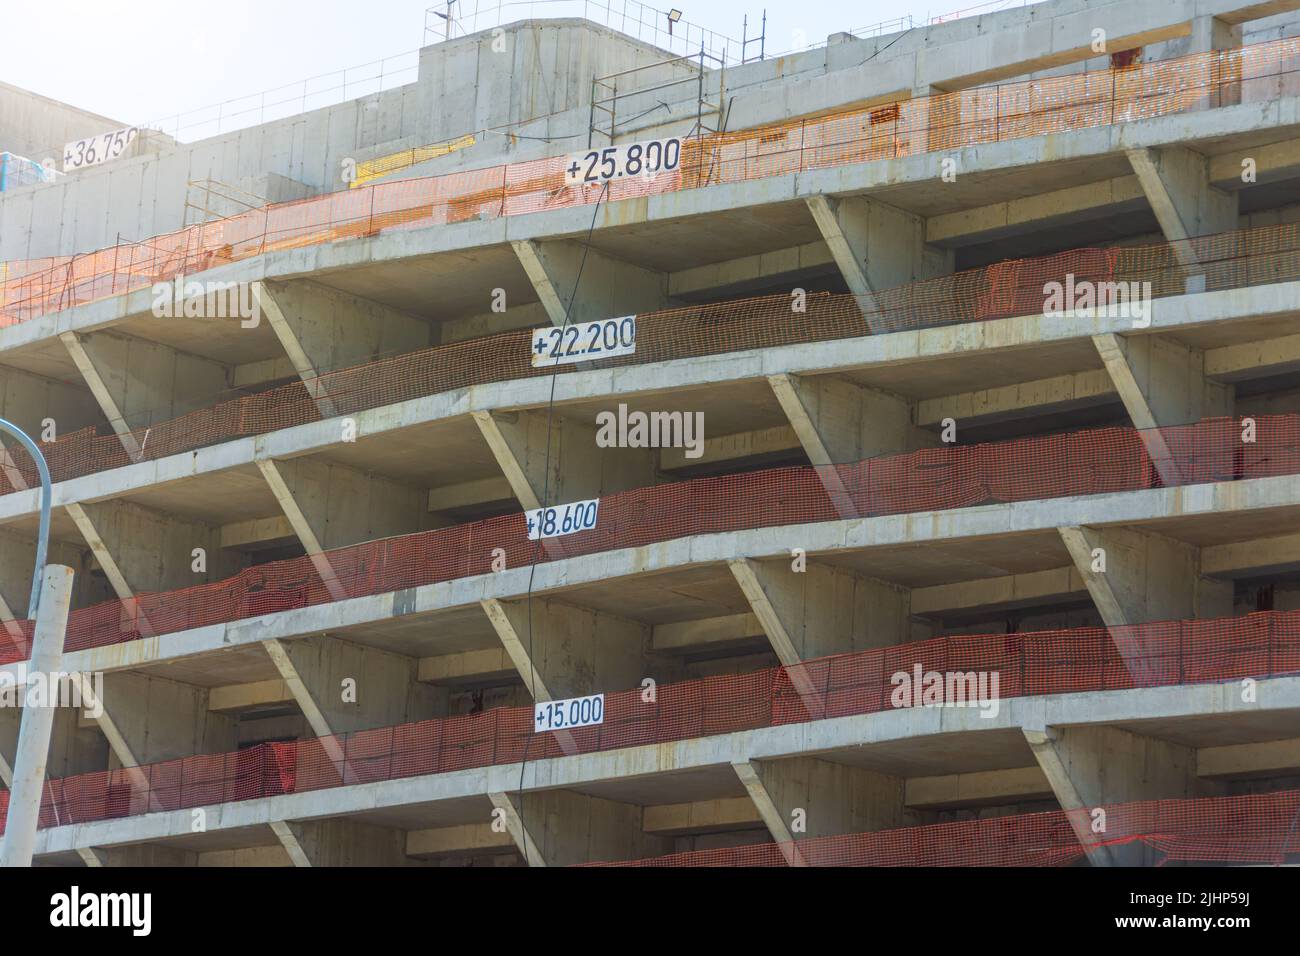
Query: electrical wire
{"points": [[545, 495]]}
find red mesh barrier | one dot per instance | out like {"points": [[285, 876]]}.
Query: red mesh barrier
{"points": [[944, 121], [1068, 464], [1260, 645], [1257, 828], [1230, 260]]}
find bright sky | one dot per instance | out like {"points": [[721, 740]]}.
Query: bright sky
{"points": [[142, 61]]}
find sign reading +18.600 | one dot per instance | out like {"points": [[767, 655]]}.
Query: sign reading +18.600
{"points": [[560, 520]]}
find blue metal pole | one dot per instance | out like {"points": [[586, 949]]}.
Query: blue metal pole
{"points": [[43, 536]]}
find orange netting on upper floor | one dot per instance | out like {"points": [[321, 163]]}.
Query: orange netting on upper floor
{"points": [[1231, 260], [944, 121], [1090, 462], [1254, 828], [1260, 645]]}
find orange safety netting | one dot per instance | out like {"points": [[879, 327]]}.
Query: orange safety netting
{"points": [[1229, 260], [1255, 828], [944, 121], [1089, 462], [1260, 645]]}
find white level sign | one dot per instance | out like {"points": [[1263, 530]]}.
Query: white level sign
{"points": [[565, 714], [562, 519], [623, 162], [98, 149], [583, 342]]}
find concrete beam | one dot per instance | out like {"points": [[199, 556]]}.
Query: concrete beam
{"points": [[1018, 216], [1006, 402], [469, 838], [733, 447], [1036, 587], [1264, 758], [1273, 162], [468, 666], [702, 816], [577, 284], [297, 519], [694, 635], [244, 696], [764, 269], [958, 791], [466, 494]]}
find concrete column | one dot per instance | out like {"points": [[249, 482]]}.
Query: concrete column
{"points": [[1089, 767], [341, 506], [145, 382], [34, 734], [823, 610], [1176, 181], [344, 687], [149, 719], [321, 329], [573, 651], [143, 549], [561, 828], [803, 798], [1162, 383], [876, 247], [605, 287], [1147, 577], [340, 843], [578, 469], [838, 422]]}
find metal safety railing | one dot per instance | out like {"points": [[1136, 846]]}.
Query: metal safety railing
{"points": [[1261, 645], [946, 121]]}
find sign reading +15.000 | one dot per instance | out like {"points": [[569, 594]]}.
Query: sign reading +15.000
{"points": [[564, 714]]}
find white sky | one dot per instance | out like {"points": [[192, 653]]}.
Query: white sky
{"points": [[145, 60]]}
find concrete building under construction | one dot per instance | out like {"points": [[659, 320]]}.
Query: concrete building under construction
{"points": [[884, 453]]}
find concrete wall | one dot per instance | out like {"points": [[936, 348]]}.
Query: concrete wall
{"points": [[37, 127]]}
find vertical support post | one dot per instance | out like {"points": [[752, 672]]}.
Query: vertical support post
{"points": [[37, 720]]}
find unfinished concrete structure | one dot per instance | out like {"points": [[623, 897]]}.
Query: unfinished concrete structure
{"points": [[297, 530]]}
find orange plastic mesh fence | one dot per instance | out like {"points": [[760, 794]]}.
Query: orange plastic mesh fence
{"points": [[1254, 828], [1087, 462], [1260, 645], [944, 121], [1229, 260]]}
